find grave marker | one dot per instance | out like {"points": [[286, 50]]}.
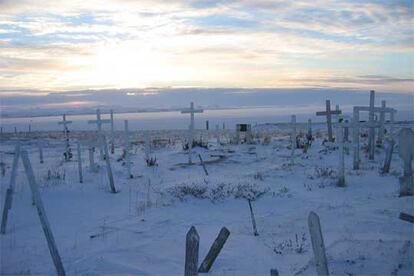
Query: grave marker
{"points": [[390, 149], [406, 152], [108, 164], [99, 122], [343, 122], [9, 193], [80, 163], [191, 111], [40, 153], [328, 113], [218, 134], [66, 132], [214, 250], [147, 146], [127, 150], [191, 252], [92, 165], [318, 245], [293, 138], [112, 132]]}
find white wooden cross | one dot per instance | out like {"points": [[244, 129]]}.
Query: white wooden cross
{"points": [[371, 124], [192, 111], [328, 113], [127, 150], [66, 131], [99, 122], [293, 138]]}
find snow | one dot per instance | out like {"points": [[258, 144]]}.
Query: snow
{"points": [[141, 229]]}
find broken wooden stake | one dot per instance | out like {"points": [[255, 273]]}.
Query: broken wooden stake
{"points": [[274, 272], [202, 164], [40, 154], [42, 215], [318, 244], [253, 219], [191, 252], [214, 250], [407, 217]]}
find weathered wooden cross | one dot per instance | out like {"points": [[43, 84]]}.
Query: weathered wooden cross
{"points": [[371, 124], [343, 123], [66, 132], [99, 122], [191, 111], [328, 113], [37, 202]]}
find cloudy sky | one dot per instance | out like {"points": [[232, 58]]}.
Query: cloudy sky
{"points": [[71, 45]]}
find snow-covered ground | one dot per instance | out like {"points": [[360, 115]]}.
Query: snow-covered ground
{"points": [[141, 229]]}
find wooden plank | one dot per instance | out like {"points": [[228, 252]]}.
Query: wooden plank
{"points": [[214, 250], [318, 244], [407, 217], [80, 164], [253, 219], [191, 252], [9, 193], [41, 154], [42, 215], [108, 164], [388, 156]]}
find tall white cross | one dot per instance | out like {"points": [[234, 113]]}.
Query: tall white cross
{"points": [[66, 131], [192, 111], [99, 122], [328, 113], [371, 124]]}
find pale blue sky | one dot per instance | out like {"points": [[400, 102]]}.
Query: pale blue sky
{"points": [[70, 45]]}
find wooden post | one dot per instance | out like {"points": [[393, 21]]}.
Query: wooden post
{"points": [[355, 139], [293, 139], [253, 219], [80, 164], [328, 113], [9, 193], [407, 217], [127, 150], [191, 111], [207, 125], [382, 122], [191, 252], [340, 139], [388, 156], [202, 164], [91, 158], [108, 164], [274, 272], [112, 132], [42, 215], [40, 154], [318, 244], [214, 250], [371, 133]]}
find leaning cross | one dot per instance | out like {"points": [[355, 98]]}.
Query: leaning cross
{"points": [[99, 122], [328, 113], [191, 110], [66, 131]]}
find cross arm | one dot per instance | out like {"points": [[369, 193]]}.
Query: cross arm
{"points": [[184, 111], [64, 122], [333, 112], [375, 109], [98, 121]]}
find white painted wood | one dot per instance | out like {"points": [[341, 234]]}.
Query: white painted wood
{"points": [[147, 146], [253, 218], [99, 122], [80, 163], [328, 113], [92, 165], [218, 134], [318, 245], [42, 215], [191, 111], [112, 132]]}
